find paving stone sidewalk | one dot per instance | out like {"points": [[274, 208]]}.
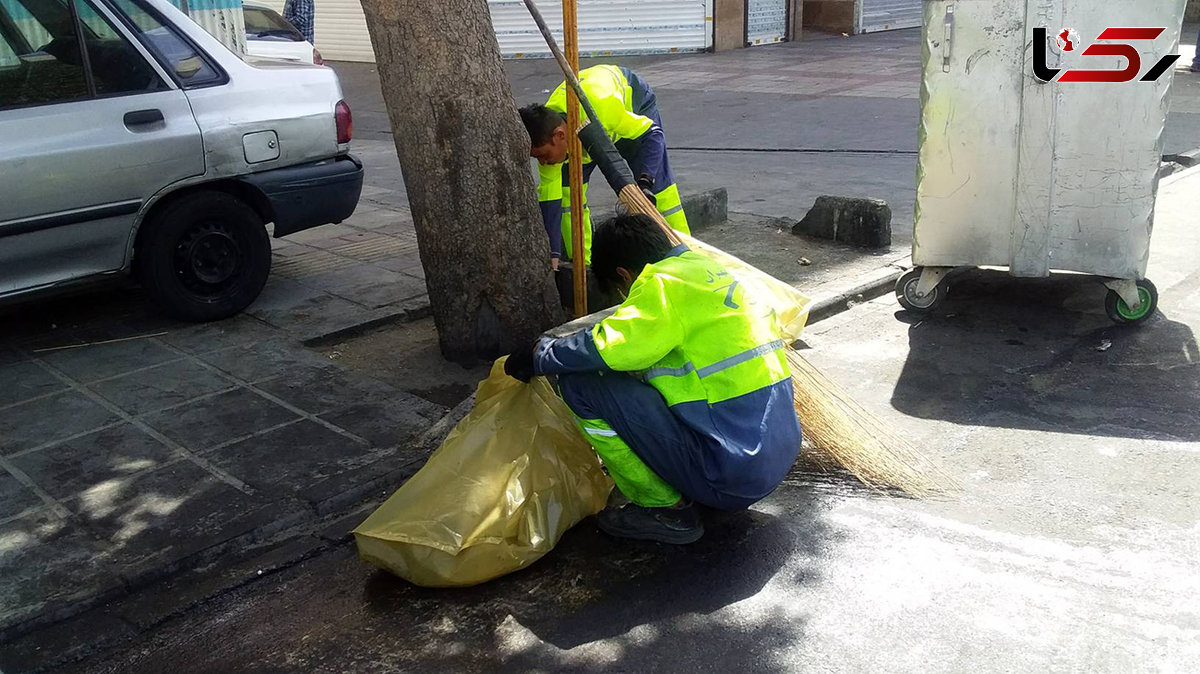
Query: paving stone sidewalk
{"points": [[125, 461], [363, 271]]}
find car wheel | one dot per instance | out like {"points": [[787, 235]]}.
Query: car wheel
{"points": [[204, 257]]}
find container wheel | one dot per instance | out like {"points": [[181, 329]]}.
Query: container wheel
{"points": [[1119, 311], [906, 292]]}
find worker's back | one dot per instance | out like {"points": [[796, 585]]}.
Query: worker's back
{"points": [[610, 92], [721, 367]]}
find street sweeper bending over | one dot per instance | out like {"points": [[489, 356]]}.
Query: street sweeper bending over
{"points": [[628, 110], [684, 392]]}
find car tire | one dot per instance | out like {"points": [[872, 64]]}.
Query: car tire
{"points": [[204, 257]]}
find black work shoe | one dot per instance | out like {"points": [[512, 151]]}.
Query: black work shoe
{"points": [[677, 526]]}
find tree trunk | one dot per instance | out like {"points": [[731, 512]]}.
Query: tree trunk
{"points": [[465, 157]]}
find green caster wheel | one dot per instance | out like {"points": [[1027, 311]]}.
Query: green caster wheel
{"points": [[1119, 311]]}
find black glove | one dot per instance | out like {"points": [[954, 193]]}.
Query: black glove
{"points": [[645, 182], [519, 365]]}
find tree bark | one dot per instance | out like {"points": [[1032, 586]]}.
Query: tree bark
{"points": [[465, 157]]}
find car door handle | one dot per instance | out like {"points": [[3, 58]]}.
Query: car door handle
{"points": [[142, 118]]}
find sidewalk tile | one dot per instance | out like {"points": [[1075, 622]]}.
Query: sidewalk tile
{"points": [[407, 264], [322, 388], [284, 462], [89, 363], [316, 235], [160, 386], [310, 261], [368, 285], [15, 497], [209, 422], [206, 337], [47, 564], [97, 461], [318, 314], [379, 217], [281, 293], [388, 422], [32, 424], [264, 360], [378, 246], [150, 523], [25, 380]]}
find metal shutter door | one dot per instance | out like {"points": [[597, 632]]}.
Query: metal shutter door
{"points": [[766, 21], [607, 27], [876, 15], [340, 31]]}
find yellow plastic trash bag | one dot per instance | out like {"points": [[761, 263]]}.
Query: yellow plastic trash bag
{"points": [[789, 304], [509, 480]]}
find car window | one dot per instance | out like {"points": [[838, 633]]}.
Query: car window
{"points": [[45, 64], [262, 22], [8, 57], [189, 66], [117, 66]]}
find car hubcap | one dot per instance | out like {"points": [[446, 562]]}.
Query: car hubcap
{"points": [[207, 258]]}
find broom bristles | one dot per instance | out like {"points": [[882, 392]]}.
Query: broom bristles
{"points": [[841, 432], [845, 434], [634, 201]]}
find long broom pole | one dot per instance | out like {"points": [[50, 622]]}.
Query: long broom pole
{"points": [[628, 193], [575, 162]]}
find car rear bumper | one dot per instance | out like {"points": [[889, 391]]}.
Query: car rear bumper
{"points": [[311, 195]]}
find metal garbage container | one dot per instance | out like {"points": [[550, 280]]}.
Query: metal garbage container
{"points": [[1026, 164]]}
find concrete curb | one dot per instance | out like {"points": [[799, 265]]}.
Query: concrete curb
{"points": [[413, 310], [703, 209], [1180, 175], [1185, 159], [878, 285]]}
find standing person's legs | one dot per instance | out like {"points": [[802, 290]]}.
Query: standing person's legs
{"points": [[666, 195], [1196, 61], [568, 243]]}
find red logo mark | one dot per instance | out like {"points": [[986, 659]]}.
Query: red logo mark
{"points": [[1067, 41]]}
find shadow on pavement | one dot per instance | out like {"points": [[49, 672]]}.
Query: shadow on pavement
{"points": [[596, 603], [1041, 354]]}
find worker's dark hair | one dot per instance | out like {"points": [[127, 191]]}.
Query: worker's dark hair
{"points": [[629, 241], [541, 122]]}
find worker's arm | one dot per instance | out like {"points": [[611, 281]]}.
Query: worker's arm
{"points": [[641, 332], [622, 124], [651, 149], [550, 190]]}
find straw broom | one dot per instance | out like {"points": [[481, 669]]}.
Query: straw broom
{"points": [[841, 432]]}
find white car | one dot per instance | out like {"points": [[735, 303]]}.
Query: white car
{"points": [[269, 35], [132, 140]]}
